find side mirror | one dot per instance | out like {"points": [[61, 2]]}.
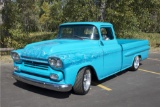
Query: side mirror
{"points": [[101, 43]]}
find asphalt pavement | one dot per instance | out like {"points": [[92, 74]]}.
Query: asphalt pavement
{"points": [[125, 89]]}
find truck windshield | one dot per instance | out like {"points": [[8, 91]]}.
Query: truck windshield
{"points": [[78, 32]]}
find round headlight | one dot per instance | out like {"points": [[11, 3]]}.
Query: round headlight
{"points": [[55, 62], [52, 61], [59, 63], [15, 57]]}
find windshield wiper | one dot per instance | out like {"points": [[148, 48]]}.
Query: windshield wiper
{"points": [[86, 38], [74, 36], [78, 37]]}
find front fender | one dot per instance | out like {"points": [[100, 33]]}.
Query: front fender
{"points": [[71, 69], [71, 72]]}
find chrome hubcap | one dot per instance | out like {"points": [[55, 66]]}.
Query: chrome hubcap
{"points": [[136, 62], [87, 80]]}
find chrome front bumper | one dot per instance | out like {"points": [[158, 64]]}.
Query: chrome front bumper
{"points": [[55, 87]]}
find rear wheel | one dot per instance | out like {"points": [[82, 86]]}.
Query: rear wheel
{"points": [[83, 81], [135, 64]]}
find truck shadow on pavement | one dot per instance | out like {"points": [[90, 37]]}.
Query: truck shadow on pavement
{"points": [[97, 82], [42, 91]]}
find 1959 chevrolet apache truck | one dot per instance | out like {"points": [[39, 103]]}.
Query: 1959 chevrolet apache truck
{"points": [[80, 51]]}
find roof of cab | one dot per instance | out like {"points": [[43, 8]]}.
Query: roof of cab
{"points": [[90, 23]]}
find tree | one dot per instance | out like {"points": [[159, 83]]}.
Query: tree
{"points": [[44, 19], [146, 13], [56, 14], [29, 14], [7, 18], [19, 18], [103, 4], [120, 13], [25, 16], [80, 10]]}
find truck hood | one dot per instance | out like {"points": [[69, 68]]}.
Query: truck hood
{"points": [[45, 49]]}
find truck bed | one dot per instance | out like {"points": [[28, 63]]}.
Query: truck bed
{"points": [[132, 48]]}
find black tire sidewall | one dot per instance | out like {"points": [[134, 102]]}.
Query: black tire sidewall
{"points": [[78, 87]]}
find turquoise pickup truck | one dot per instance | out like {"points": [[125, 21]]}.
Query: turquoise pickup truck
{"points": [[80, 51]]}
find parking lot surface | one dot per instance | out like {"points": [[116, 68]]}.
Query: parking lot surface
{"points": [[125, 89]]}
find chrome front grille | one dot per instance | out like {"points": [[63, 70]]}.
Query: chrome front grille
{"points": [[37, 65]]}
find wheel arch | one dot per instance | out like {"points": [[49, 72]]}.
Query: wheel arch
{"points": [[139, 55], [93, 71]]}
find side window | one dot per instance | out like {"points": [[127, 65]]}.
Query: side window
{"points": [[106, 33]]}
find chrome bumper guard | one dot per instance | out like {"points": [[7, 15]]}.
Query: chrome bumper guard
{"points": [[55, 87]]}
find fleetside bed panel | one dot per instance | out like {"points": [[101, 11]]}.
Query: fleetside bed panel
{"points": [[132, 48]]}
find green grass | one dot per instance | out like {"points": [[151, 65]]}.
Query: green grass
{"points": [[153, 38], [155, 49], [6, 59]]}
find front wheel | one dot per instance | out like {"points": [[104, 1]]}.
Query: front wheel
{"points": [[135, 64], [83, 81]]}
